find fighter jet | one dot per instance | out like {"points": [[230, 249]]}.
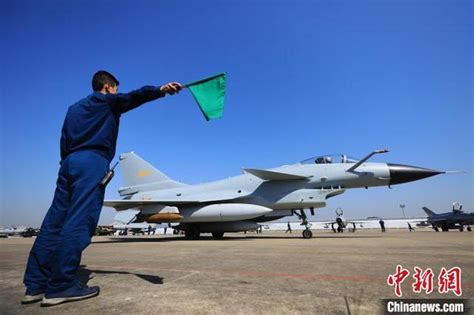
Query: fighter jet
{"points": [[341, 223], [455, 219], [258, 195], [18, 231]]}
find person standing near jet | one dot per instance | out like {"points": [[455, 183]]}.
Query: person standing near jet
{"points": [[88, 143], [410, 227], [289, 228], [382, 225]]}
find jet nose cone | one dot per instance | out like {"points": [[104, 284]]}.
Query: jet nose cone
{"points": [[400, 174]]}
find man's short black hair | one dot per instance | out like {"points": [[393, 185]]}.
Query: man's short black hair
{"points": [[102, 77]]}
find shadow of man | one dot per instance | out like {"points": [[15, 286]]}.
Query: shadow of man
{"points": [[85, 273]]}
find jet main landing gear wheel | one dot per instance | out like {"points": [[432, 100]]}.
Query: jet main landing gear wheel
{"points": [[217, 235], [307, 233], [192, 233]]}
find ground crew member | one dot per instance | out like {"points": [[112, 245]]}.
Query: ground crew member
{"points": [[289, 228], [410, 227], [88, 143], [382, 225]]}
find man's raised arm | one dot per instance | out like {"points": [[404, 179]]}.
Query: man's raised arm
{"points": [[123, 102]]}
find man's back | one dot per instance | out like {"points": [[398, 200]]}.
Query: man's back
{"points": [[93, 122], [90, 124]]}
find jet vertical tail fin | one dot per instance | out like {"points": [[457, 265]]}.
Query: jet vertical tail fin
{"points": [[428, 212], [139, 175]]}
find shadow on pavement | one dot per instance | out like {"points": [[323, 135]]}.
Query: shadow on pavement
{"points": [[84, 275]]}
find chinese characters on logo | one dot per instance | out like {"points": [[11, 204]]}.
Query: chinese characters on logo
{"points": [[397, 279], [448, 280], [423, 280]]}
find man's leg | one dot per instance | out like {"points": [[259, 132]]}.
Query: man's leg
{"points": [[86, 170], [39, 265]]}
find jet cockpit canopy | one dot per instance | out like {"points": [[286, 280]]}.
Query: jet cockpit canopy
{"points": [[330, 159], [457, 207]]}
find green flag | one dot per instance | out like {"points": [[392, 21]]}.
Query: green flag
{"points": [[209, 94]]}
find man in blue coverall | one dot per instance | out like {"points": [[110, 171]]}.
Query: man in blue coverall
{"points": [[88, 142]]}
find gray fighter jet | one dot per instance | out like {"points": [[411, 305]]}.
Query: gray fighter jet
{"points": [[340, 223], [455, 219], [236, 204]]}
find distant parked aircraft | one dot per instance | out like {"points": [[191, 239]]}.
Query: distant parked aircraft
{"points": [[18, 231], [341, 223], [456, 219]]}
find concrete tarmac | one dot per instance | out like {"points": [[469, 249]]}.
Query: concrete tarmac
{"points": [[269, 273]]}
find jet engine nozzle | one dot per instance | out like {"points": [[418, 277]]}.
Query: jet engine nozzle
{"points": [[400, 174]]}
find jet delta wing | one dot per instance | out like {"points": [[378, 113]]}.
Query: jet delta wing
{"points": [[258, 195]]}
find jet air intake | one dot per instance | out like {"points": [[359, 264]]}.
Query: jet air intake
{"points": [[400, 173]]}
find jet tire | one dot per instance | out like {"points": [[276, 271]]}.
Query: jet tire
{"points": [[217, 235], [307, 233], [192, 233]]}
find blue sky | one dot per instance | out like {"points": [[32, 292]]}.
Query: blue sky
{"points": [[304, 78]]}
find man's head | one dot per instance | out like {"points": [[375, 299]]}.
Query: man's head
{"points": [[104, 82]]}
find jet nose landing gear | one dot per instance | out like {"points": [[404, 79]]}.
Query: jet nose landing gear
{"points": [[307, 233]]}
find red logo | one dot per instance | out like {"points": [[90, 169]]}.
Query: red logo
{"points": [[423, 280], [397, 279], [450, 280]]}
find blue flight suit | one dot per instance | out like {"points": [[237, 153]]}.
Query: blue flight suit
{"points": [[88, 143]]}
